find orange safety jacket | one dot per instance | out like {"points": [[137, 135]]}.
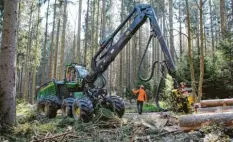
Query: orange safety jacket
{"points": [[142, 94]]}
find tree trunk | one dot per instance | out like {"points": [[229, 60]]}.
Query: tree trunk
{"points": [[103, 30], [154, 58], [45, 44], [190, 53], [74, 47], [33, 84], [103, 24], [231, 13], [52, 43], [135, 46], [211, 26], [164, 22], [128, 66], [57, 44], [19, 20], [63, 41], [121, 55], [197, 33], [204, 40], [215, 109], [74, 41], [21, 81], [157, 58], [97, 26], [79, 32], [26, 69], [180, 33], [8, 64], [35, 52], [195, 121], [29, 79], [93, 29], [56, 50], [140, 43], [86, 33], [201, 55], [223, 18], [172, 48], [216, 102]]}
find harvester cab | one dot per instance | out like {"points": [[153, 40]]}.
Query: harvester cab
{"points": [[74, 75]]}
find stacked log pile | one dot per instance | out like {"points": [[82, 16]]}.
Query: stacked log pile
{"points": [[210, 111]]}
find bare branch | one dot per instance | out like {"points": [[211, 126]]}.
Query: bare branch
{"points": [[181, 32], [52, 137]]}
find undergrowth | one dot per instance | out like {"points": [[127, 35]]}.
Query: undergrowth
{"points": [[147, 107], [150, 107], [29, 124]]}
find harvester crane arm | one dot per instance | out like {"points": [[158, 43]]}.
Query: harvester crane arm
{"points": [[108, 51]]}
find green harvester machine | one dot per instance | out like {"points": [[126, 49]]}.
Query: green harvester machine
{"points": [[75, 97]]}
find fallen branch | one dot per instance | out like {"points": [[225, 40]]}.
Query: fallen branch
{"points": [[73, 136], [62, 138], [53, 137]]}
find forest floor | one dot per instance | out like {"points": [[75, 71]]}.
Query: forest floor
{"points": [[106, 127]]}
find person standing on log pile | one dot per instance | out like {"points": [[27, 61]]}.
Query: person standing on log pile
{"points": [[141, 97]]}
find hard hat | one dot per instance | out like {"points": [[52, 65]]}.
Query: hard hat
{"points": [[141, 86]]}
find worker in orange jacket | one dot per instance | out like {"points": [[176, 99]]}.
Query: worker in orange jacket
{"points": [[141, 97]]}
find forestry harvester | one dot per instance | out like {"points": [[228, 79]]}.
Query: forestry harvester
{"points": [[80, 92]]}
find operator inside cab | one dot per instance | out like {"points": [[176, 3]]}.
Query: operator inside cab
{"points": [[71, 74]]}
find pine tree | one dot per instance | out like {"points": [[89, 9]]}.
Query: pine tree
{"points": [[8, 64], [63, 41]]}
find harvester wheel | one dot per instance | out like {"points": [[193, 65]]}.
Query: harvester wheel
{"points": [[67, 107], [116, 104], [82, 109], [47, 109], [48, 106]]}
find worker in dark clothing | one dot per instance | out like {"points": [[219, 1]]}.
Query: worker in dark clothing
{"points": [[141, 97]]}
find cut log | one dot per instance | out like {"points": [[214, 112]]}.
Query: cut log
{"points": [[215, 109], [216, 102], [196, 121]]}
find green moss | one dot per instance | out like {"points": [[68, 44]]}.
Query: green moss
{"points": [[23, 129], [28, 129], [149, 107], [25, 113], [48, 127]]}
